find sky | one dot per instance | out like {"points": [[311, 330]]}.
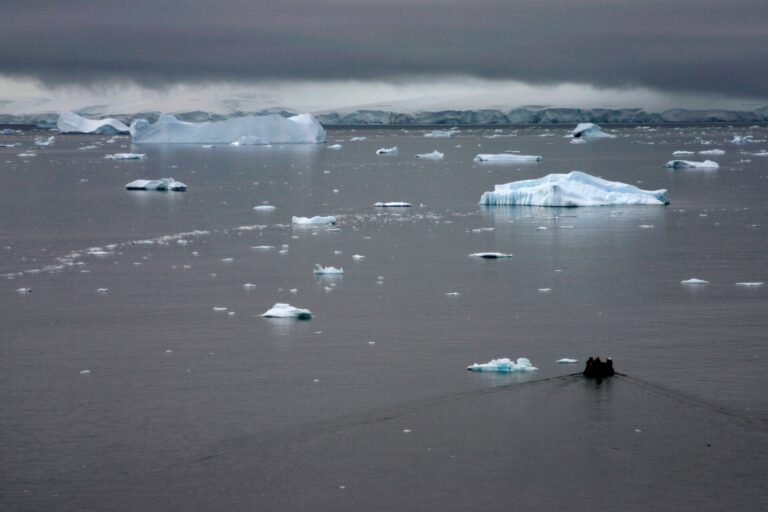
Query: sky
{"points": [[550, 52]]}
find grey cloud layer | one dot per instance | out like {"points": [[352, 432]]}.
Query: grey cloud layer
{"points": [[696, 45]]}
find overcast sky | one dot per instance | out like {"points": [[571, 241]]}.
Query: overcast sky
{"points": [[710, 47]]}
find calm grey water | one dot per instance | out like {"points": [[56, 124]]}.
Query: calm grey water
{"points": [[368, 406]]}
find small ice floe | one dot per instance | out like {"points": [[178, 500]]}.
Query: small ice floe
{"points": [[126, 156], [321, 270], [435, 155], [541, 228], [566, 360], [357, 139], [741, 140], [590, 131], [490, 255], [43, 141], [388, 151], [392, 204], [102, 291], [713, 152], [161, 185], [85, 372], [504, 365], [287, 311], [316, 220], [24, 291], [646, 226], [453, 294], [683, 153], [440, 134], [227, 260], [264, 208], [218, 308], [249, 286], [750, 283], [694, 281], [688, 164], [545, 290], [508, 158], [358, 257], [88, 147], [98, 251], [262, 247], [26, 155], [335, 146]]}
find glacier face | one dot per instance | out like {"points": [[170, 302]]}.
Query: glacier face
{"points": [[270, 129], [573, 189], [69, 122]]}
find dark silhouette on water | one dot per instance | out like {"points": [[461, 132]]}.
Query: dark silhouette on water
{"points": [[597, 369]]}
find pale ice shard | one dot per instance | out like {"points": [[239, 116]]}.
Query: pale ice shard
{"points": [[280, 310], [688, 164], [713, 152], [504, 365], [750, 283], [43, 141], [508, 158], [441, 134], [162, 185], [271, 129], [683, 153], [737, 139], [573, 189], [566, 360], [69, 122]]}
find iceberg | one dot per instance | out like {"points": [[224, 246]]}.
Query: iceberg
{"points": [[125, 156], [688, 164], [320, 270], [693, 280], [316, 220], [683, 153], [43, 141], [573, 189], [435, 155], [270, 129], [590, 131], [440, 134], [287, 311], [490, 255], [750, 283], [714, 152], [387, 151], [508, 158], [392, 204], [162, 185], [504, 365], [69, 122], [741, 140], [567, 360]]}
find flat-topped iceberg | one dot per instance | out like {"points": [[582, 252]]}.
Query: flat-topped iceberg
{"points": [[508, 158], [589, 131], [573, 189], [321, 270], [316, 220], [688, 164], [126, 156], [491, 255], [162, 185], [392, 204], [504, 365], [714, 152], [69, 122], [271, 129], [280, 310], [441, 134], [683, 153], [435, 155]]}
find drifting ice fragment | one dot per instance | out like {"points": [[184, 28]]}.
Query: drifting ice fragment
{"points": [[316, 220], [490, 255], [249, 140], [216, 308], [335, 146], [26, 155], [387, 151], [714, 152], [358, 257], [42, 141], [392, 204], [741, 140], [694, 281], [162, 185], [24, 291], [566, 360], [264, 207], [687, 164], [126, 156], [503, 365], [508, 158], [287, 311], [435, 155], [573, 189], [249, 285], [441, 134], [589, 131], [102, 290], [755, 283], [683, 153], [319, 269], [69, 122]]}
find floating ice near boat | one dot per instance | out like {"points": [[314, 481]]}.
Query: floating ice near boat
{"points": [[69, 122], [504, 365], [741, 140], [683, 153], [264, 207], [566, 360], [713, 152], [750, 284], [316, 220], [435, 155], [217, 308], [508, 158], [440, 134], [126, 156], [162, 185], [590, 131], [271, 129], [694, 281], [388, 151], [688, 164], [321, 270], [287, 311], [392, 204], [490, 255], [573, 189], [42, 141]]}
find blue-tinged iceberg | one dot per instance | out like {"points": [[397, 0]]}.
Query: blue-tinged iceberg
{"points": [[504, 365], [271, 129], [573, 189], [69, 122], [589, 131]]}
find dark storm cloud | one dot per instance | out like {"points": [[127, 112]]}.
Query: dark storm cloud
{"points": [[696, 45]]}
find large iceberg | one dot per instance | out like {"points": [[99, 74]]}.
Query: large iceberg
{"points": [[69, 122], [162, 185], [504, 365], [270, 129], [589, 131], [573, 189]]}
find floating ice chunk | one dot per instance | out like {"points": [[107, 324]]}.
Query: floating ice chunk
{"points": [[357, 139], [545, 290], [713, 152], [388, 151], [126, 156], [573, 189], [490, 255], [503, 365], [335, 146], [43, 141], [589, 131], [69, 122], [508, 158], [264, 208], [316, 220], [741, 140], [319, 270], [24, 291], [287, 311], [249, 140], [218, 308], [26, 155], [435, 155], [566, 360], [694, 281], [263, 247], [271, 129], [227, 260], [102, 290], [750, 283], [12, 145], [358, 257], [162, 185], [392, 204], [453, 294], [98, 252], [683, 153], [440, 134], [249, 285], [688, 164]]}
